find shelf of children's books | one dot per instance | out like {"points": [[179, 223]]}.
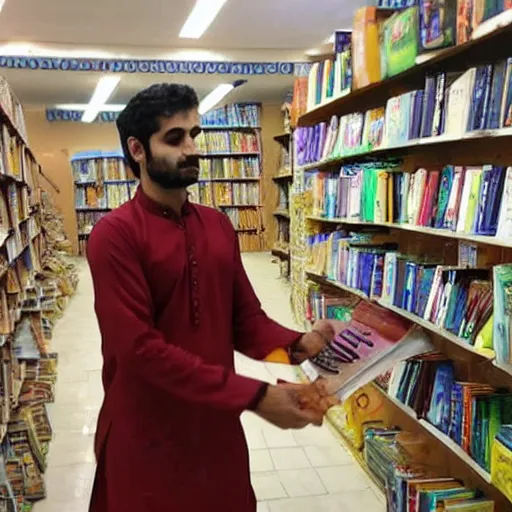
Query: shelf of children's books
{"points": [[239, 206], [441, 437], [416, 146], [481, 239], [285, 214], [485, 49], [238, 154], [92, 209], [429, 326]]}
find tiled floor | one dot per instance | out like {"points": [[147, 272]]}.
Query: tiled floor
{"points": [[291, 471]]}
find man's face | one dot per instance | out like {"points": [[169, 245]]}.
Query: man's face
{"points": [[173, 161]]}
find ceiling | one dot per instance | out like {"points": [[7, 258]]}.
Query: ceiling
{"points": [[241, 24], [48, 88]]}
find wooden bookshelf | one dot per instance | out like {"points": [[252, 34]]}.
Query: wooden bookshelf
{"points": [[475, 148], [488, 48], [250, 235], [101, 184]]}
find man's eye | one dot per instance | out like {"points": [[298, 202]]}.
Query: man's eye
{"points": [[175, 140]]}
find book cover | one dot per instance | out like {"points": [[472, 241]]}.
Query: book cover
{"points": [[427, 113], [480, 98], [437, 24], [498, 85]]}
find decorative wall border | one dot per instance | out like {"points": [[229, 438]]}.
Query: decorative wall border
{"points": [[155, 66], [55, 114]]}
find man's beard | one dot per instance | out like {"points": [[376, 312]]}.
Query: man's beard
{"points": [[184, 174]]}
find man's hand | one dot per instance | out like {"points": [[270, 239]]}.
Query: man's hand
{"points": [[312, 343], [282, 407]]}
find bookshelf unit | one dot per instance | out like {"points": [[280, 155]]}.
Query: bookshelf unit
{"points": [[423, 237], [102, 183], [282, 180], [231, 170], [34, 289]]}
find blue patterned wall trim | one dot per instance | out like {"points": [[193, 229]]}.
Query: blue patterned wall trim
{"points": [[155, 66]]}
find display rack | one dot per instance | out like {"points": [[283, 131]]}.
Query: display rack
{"points": [[102, 183], [282, 179], [30, 298], [421, 236], [231, 169]]}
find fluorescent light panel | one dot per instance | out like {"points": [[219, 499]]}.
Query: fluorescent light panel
{"points": [[104, 89], [108, 107], [200, 18], [2, 3], [209, 101]]}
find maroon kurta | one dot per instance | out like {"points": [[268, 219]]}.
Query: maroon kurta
{"points": [[173, 303]]}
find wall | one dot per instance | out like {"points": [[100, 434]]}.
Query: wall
{"points": [[54, 143]]}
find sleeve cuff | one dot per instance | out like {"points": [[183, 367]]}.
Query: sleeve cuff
{"points": [[258, 397]]}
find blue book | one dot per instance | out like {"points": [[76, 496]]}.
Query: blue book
{"points": [[427, 113], [481, 98], [506, 117], [439, 411], [498, 84]]}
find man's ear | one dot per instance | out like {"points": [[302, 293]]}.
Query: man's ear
{"points": [[136, 149]]}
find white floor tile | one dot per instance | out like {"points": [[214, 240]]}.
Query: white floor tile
{"points": [[267, 486], [301, 482], [338, 479], [289, 458], [255, 439], [262, 507], [261, 461], [323, 456], [277, 438]]}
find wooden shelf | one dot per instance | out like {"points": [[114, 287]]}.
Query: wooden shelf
{"points": [[282, 213], [281, 253], [283, 139], [246, 230], [488, 48], [283, 177], [419, 146], [105, 182], [481, 239]]}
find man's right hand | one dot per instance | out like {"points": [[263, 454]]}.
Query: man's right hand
{"points": [[281, 406]]}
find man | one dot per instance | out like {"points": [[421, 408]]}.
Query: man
{"points": [[173, 303]]}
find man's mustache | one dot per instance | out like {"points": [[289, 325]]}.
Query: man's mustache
{"points": [[190, 161]]}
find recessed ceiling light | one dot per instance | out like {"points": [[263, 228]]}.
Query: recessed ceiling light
{"points": [[200, 18], [104, 89]]}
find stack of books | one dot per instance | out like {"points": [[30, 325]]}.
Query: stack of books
{"points": [[226, 168]]}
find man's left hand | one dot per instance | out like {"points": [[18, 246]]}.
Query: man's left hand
{"points": [[312, 343]]}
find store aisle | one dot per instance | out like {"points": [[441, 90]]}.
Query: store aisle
{"points": [[291, 471]]}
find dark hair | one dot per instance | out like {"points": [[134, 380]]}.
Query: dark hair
{"points": [[140, 118]]}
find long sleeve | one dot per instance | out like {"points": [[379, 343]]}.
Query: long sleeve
{"points": [[256, 335], [124, 309]]}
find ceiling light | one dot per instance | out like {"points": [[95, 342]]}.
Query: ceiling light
{"points": [[200, 18], [214, 97], [217, 95], [108, 107], [2, 2], [104, 89]]}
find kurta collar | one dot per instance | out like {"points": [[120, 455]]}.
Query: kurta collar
{"points": [[158, 209]]}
